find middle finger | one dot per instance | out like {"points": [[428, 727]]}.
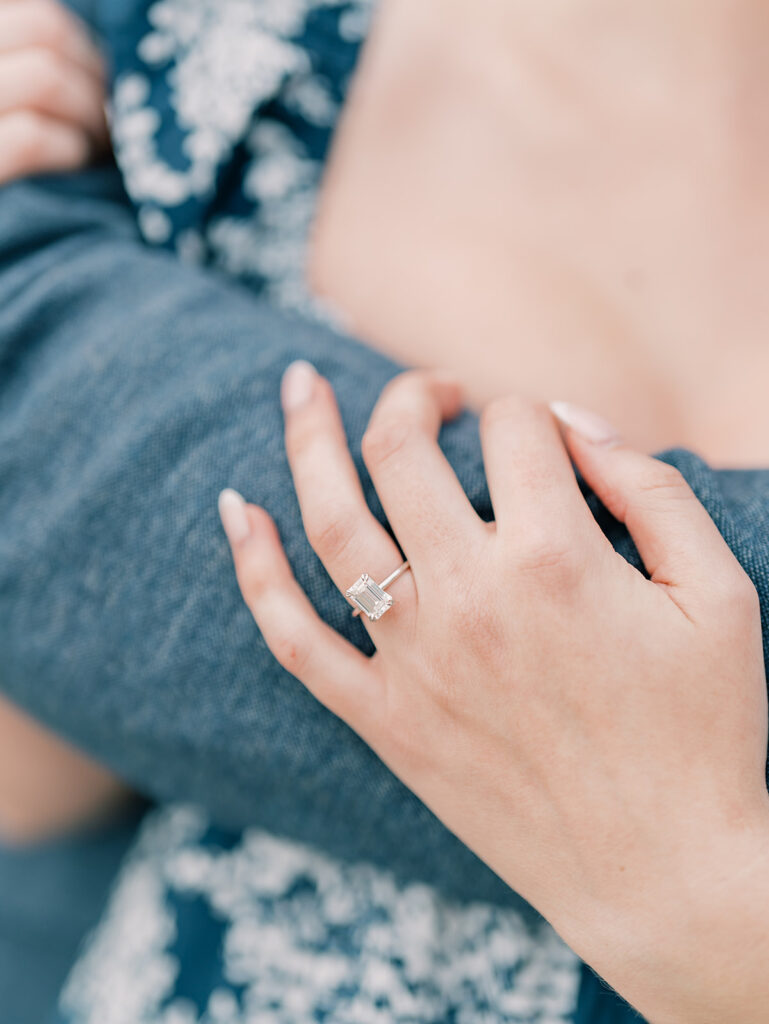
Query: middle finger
{"points": [[420, 493], [342, 530]]}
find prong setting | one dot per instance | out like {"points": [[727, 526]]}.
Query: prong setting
{"points": [[369, 598]]}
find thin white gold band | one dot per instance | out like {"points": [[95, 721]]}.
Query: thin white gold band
{"points": [[395, 575]]}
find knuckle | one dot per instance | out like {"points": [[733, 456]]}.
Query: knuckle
{"points": [[733, 601], [451, 560], [291, 650], [407, 384], [550, 556], [386, 438], [411, 406], [328, 531], [665, 481], [741, 595], [512, 410], [500, 410], [480, 628], [449, 692]]}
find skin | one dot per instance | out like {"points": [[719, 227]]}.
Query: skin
{"points": [[584, 187], [645, 847], [51, 91], [51, 119], [711, 860], [47, 788]]}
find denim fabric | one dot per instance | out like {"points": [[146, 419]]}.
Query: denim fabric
{"points": [[221, 115], [598, 1004], [50, 896], [223, 165], [213, 928], [133, 389]]}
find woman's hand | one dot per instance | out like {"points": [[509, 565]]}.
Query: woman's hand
{"points": [[597, 737], [51, 91]]}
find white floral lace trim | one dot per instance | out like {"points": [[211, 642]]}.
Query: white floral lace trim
{"points": [[222, 61], [406, 954]]}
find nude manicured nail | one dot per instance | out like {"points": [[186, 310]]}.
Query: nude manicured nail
{"points": [[234, 514], [587, 424], [298, 385]]}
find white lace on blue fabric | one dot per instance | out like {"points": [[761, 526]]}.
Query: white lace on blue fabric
{"points": [[284, 935], [222, 115], [221, 121]]}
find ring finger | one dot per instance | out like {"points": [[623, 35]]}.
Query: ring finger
{"points": [[343, 532]]}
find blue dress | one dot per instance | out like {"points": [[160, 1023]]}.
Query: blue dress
{"points": [[222, 115]]}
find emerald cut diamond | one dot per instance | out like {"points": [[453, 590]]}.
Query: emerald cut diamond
{"points": [[369, 598]]}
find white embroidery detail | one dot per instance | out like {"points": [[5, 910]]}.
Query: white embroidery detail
{"points": [[307, 936], [221, 62], [303, 935]]}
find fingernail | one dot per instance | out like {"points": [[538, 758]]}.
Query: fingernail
{"points": [[298, 385], [587, 424], [232, 509]]}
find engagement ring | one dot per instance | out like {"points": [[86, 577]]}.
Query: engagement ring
{"points": [[371, 598]]}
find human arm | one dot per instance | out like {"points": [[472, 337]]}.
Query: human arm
{"points": [[132, 389], [597, 736], [52, 118], [47, 788], [121, 626]]}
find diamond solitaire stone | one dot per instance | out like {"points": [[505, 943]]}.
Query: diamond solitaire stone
{"points": [[369, 598]]}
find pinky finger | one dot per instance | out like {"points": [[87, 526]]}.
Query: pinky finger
{"points": [[32, 143], [338, 674]]}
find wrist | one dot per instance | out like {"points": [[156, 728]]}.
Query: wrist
{"points": [[694, 949]]}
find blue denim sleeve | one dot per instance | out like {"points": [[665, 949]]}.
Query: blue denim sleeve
{"points": [[132, 389], [51, 895]]}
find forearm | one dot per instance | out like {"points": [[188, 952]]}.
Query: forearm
{"points": [[645, 857], [132, 390], [702, 957], [46, 787]]}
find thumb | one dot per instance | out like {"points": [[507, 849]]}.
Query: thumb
{"points": [[676, 538]]}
